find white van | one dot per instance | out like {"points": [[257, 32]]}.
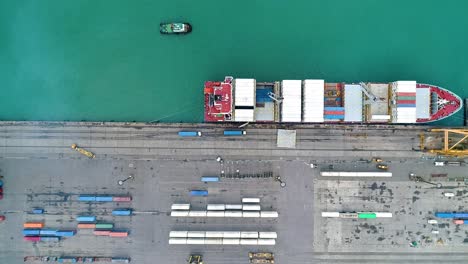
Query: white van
{"points": [[439, 163]]}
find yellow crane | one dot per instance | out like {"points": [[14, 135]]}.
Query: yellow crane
{"points": [[88, 154], [455, 142]]}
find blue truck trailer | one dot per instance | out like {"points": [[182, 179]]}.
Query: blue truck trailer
{"points": [[234, 132], [86, 218], [198, 193], [31, 232], [210, 179], [122, 211], [38, 211], [190, 133], [65, 233]]}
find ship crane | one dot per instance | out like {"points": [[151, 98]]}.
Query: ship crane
{"points": [[275, 97], [372, 98]]}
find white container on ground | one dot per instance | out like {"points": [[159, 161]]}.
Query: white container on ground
{"points": [[177, 241], [250, 200], [330, 214], [383, 215], [248, 241], [195, 241], [196, 234], [268, 214], [231, 241], [197, 214], [180, 213], [249, 234], [266, 241], [214, 234], [215, 207], [215, 214], [180, 207], [233, 206], [232, 213], [250, 214], [231, 234], [178, 234], [273, 235], [213, 241], [251, 207]]}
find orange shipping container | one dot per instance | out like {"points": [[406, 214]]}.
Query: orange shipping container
{"points": [[118, 234], [87, 226], [33, 225]]}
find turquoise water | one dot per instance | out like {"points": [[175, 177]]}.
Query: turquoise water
{"points": [[105, 60]]}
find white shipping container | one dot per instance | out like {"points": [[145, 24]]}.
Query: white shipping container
{"points": [[330, 214], [178, 234], [177, 241], [215, 214], [268, 235], [179, 213], [233, 206], [233, 214], [250, 214], [195, 241], [251, 207], [180, 207], [197, 214], [268, 214], [196, 234], [384, 215], [249, 234], [231, 241], [250, 200], [266, 241], [213, 241], [214, 234], [248, 241], [216, 207], [231, 234]]}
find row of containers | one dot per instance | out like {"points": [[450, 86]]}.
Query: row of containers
{"points": [[199, 133], [459, 218], [103, 198], [76, 259], [103, 229], [357, 215], [222, 238], [35, 232]]}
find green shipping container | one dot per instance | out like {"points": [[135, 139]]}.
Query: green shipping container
{"points": [[366, 215], [104, 226]]}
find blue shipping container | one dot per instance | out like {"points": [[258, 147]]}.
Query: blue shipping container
{"points": [[67, 260], [465, 222], [120, 260], [333, 116], [103, 198], [189, 134], [406, 105], [31, 232], [87, 198], [333, 108], [1, 183], [122, 212], [50, 239], [38, 211], [444, 215], [48, 232], [86, 218], [210, 179], [234, 132], [198, 193], [461, 215], [65, 233]]}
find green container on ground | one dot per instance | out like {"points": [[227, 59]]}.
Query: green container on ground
{"points": [[367, 215], [104, 226]]}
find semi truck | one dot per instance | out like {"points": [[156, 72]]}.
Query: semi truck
{"points": [[190, 134], [234, 132]]}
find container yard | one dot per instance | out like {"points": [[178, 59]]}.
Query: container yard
{"points": [[323, 199]]}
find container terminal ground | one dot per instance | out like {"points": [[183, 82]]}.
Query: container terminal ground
{"points": [[41, 171]]}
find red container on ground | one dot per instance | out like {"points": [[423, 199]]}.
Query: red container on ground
{"points": [[118, 234], [101, 232], [32, 238], [122, 198], [458, 222]]}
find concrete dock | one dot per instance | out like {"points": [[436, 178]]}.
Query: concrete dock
{"points": [[41, 171]]}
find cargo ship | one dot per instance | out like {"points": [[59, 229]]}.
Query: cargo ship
{"points": [[316, 101]]}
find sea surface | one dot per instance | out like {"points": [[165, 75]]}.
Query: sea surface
{"points": [[106, 61]]}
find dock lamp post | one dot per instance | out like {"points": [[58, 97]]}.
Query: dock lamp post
{"points": [[121, 182]]}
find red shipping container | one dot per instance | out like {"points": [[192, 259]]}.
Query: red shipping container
{"points": [[101, 232], [334, 112], [122, 198], [32, 238], [118, 234], [87, 226], [406, 102], [458, 222], [406, 94], [33, 225]]}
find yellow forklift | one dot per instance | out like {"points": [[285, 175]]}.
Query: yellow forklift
{"points": [[85, 152]]}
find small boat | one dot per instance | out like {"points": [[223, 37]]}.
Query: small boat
{"points": [[175, 28]]}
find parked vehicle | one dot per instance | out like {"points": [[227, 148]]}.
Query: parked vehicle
{"points": [[439, 163], [2, 218], [432, 221], [382, 167], [234, 132], [449, 194]]}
